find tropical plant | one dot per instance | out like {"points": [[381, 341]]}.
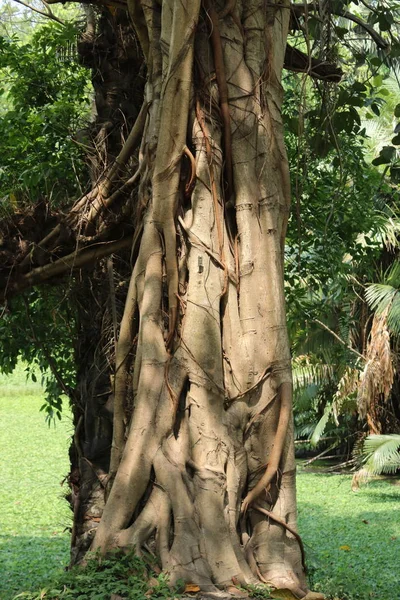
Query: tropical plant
{"points": [[384, 297], [379, 454]]}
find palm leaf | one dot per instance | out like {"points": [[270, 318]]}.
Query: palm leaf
{"points": [[379, 296], [380, 454], [303, 397], [383, 296], [321, 425]]}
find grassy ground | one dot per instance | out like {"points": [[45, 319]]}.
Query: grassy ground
{"points": [[33, 514], [352, 539]]}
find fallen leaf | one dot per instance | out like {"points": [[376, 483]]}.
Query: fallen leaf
{"points": [[191, 587], [345, 548]]}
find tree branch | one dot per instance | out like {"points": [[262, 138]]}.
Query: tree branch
{"points": [[49, 14], [75, 260], [339, 339], [297, 61], [302, 9]]}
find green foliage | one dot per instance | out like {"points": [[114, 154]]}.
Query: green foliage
{"points": [[43, 335], [45, 97], [119, 573], [381, 454], [259, 592]]}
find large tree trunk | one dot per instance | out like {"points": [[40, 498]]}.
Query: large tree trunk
{"points": [[206, 465]]}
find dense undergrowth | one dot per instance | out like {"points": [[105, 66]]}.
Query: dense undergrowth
{"points": [[351, 539]]}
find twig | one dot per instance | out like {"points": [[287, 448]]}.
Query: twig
{"points": [[339, 339], [49, 14]]}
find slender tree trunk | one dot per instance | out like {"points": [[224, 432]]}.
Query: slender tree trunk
{"points": [[206, 468]]}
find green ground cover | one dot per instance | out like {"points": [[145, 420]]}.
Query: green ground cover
{"points": [[352, 539], [33, 513]]}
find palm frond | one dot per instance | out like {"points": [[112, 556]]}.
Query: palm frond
{"points": [[303, 397], [376, 380], [393, 318], [379, 296], [385, 296], [305, 430], [344, 399], [392, 275], [321, 425], [380, 454], [308, 374]]}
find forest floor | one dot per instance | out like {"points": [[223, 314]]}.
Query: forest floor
{"points": [[352, 539]]}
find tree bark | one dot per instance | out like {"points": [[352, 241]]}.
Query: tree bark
{"points": [[205, 470]]}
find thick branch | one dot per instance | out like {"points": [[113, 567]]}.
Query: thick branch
{"points": [[75, 260], [297, 61]]}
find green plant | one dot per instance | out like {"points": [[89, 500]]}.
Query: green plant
{"points": [[45, 100], [259, 592], [122, 574], [380, 454]]}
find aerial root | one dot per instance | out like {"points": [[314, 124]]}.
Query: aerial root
{"points": [[122, 365], [222, 88], [192, 179], [285, 393], [277, 519]]}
